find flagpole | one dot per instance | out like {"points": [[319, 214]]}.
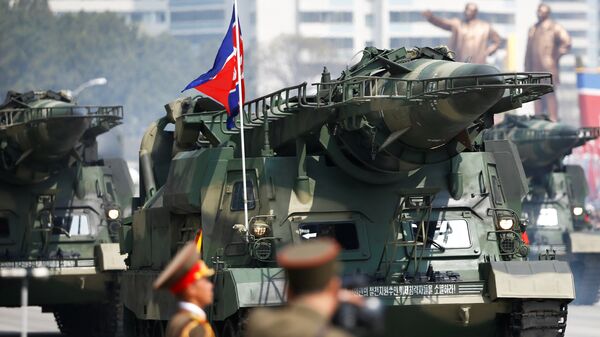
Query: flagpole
{"points": [[241, 111]]}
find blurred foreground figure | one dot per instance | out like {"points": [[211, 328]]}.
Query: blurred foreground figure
{"points": [[314, 292], [187, 278], [547, 42], [472, 40]]}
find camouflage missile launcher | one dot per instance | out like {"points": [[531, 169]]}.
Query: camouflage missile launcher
{"points": [[387, 159], [555, 205], [61, 209]]}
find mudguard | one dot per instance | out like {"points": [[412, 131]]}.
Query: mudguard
{"points": [[248, 287], [139, 296], [109, 257], [585, 242], [531, 279]]}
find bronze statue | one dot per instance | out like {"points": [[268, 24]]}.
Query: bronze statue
{"points": [[472, 39], [547, 42]]}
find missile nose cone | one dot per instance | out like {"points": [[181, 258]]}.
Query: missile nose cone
{"points": [[540, 142], [476, 74], [561, 138], [480, 93]]}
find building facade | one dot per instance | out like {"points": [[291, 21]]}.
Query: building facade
{"points": [[347, 26], [152, 16]]}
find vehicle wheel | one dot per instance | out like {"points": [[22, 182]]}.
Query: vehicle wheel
{"points": [[94, 320], [88, 320], [233, 326], [134, 327], [157, 328], [131, 325], [503, 326], [537, 318]]}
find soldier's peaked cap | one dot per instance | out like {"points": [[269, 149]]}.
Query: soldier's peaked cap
{"points": [[185, 268], [309, 265]]}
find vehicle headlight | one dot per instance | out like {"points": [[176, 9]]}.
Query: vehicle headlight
{"points": [[113, 213], [506, 223], [259, 229], [578, 211]]}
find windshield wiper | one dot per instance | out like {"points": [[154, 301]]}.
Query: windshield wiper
{"points": [[64, 231], [436, 245]]}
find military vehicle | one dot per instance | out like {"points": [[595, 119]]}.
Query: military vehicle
{"points": [[61, 209], [555, 204], [387, 159]]}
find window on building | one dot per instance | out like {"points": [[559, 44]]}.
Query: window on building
{"points": [[193, 2], [160, 17], [326, 17], [369, 20], [569, 16], [406, 17], [578, 33], [137, 16], [197, 15], [202, 39], [416, 16], [337, 42], [578, 51], [500, 18]]}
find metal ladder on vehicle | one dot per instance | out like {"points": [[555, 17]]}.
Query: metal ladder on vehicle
{"points": [[415, 209]]}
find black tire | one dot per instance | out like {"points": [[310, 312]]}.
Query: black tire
{"points": [[536, 318], [134, 327], [233, 326], [95, 319], [88, 320]]}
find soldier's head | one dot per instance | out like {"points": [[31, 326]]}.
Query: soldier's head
{"points": [[186, 276], [471, 10], [311, 267], [543, 12]]}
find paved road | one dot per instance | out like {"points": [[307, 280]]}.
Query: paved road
{"points": [[40, 324], [583, 321]]}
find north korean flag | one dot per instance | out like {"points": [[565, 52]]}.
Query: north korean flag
{"points": [[221, 82]]}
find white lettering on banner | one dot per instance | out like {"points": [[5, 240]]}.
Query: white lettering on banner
{"points": [[48, 264], [409, 290]]}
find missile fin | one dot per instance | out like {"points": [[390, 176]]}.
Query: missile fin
{"points": [[23, 157], [391, 138], [465, 139]]}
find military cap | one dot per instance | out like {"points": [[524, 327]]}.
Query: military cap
{"points": [[185, 268], [309, 265]]}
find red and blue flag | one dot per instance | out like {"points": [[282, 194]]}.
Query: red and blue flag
{"points": [[588, 85], [221, 82], [588, 156]]}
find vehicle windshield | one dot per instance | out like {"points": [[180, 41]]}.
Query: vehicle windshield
{"points": [[73, 223], [547, 217], [445, 234]]}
